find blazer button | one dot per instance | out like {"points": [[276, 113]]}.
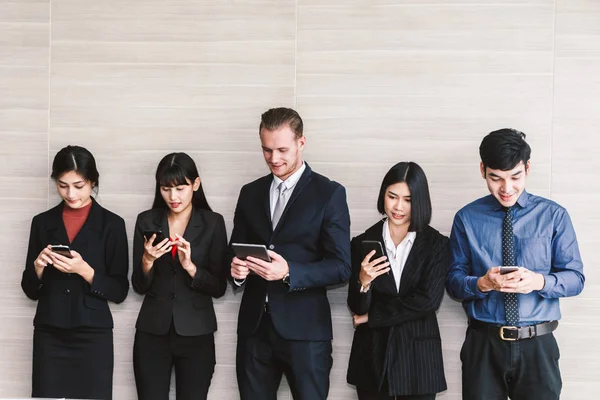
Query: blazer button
{"points": [[67, 291], [172, 296], [174, 271], [271, 247]]}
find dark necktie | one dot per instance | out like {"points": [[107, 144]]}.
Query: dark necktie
{"points": [[511, 305]]}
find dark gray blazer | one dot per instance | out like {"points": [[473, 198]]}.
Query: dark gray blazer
{"points": [[171, 293]]}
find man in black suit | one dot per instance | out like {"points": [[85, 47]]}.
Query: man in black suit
{"points": [[284, 323]]}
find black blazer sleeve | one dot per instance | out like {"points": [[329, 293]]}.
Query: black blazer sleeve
{"points": [[335, 267], [111, 283], [358, 302], [140, 282], [426, 296], [30, 283], [212, 278]]}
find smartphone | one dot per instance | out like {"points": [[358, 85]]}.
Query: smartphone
{"points": [[508, 269], [62, 249], [159, 236], [370, 245], [243, 250]]}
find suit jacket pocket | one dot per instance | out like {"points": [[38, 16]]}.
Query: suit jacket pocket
{"points": [[94, 303]]}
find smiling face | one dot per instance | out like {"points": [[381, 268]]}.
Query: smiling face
{"points": [[74, 189], [506, 186], [179, 198], [397, 204], [282, 150]]}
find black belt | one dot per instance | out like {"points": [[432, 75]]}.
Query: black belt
{"points": [[514, 332]]}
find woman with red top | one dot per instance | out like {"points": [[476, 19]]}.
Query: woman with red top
{"points": [[73, 338], [179, 275]]}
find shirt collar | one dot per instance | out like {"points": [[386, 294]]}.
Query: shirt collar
{"points": [[521, 201], [389, 243], [291, 181]]}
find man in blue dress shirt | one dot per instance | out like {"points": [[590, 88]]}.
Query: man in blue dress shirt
{"points": [[509, 349]]}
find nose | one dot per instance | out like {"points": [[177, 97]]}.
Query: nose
{"points": [[70, 192], [506, 187]]}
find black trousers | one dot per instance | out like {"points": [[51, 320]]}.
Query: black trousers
{"points": [[494, 369], [72, 363], [366, 395], [263, 357], [154, 357]]}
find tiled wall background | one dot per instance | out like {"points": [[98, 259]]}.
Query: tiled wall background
{"points": [[376, 81]]}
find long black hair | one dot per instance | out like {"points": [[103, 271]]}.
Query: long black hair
{"points": [[178, 169], [78, 159], [414, 176]]}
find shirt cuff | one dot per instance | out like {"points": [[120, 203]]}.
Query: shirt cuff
{"points": [[238, 282], [472, 285]]}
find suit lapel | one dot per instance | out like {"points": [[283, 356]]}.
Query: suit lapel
{"points": [[90, 231], [302, 182], [161, 223], [194, 226], [56, 227], [413, 263]]}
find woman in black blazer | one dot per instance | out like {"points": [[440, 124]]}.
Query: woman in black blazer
{"points": [[73, 338], [396, 351], [179, 274]]}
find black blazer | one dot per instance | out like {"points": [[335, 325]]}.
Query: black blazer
{"points": [[402, 339], [66, 300], [171, 293], [313, 235]]}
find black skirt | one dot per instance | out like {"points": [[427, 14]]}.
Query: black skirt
{"points": [[73, 363]]}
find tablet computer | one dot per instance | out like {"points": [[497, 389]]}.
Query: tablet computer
{"points": [[243, 250]]}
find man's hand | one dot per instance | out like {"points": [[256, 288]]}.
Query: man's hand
{"points": [[524, 281], [521, 281], [239, 269], [275, 270]]}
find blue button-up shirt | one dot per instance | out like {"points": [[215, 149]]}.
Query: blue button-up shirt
{"points": [[545, 243]]}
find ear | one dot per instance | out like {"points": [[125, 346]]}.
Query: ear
{"points": [[196, 184], [527, 167], [482, 169], [302, 142]]}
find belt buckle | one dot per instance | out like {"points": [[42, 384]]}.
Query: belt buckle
{"points": [[512, 328]]}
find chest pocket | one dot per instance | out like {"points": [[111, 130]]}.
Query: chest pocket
{"points": [[534, 253]]}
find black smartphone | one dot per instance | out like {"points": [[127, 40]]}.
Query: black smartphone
{"points": [[370, 245], [159, 236], [243, 250], [61, 249], [508, 269]]}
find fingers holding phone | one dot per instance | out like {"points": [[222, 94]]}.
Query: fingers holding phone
{"points": [[239, 269], [42, 260], [155, 245], [374, 263]]}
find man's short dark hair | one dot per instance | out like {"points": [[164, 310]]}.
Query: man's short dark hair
{"points": [[504, 149], [414, 176], [275, 118]]}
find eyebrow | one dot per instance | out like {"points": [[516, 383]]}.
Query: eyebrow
{"points": [[74, 183], [513, 175], [397, 195]]}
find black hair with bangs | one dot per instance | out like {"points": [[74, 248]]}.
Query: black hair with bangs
{"points": [[177, 169]]}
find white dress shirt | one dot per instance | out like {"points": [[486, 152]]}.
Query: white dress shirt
{"points": [[397, 254], [289, 183]]}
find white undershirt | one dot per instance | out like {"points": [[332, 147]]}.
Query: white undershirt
{"points": [[397, 254]]}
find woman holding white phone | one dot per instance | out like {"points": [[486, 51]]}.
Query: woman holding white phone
{"points": [[396, 351], [179, 274], [77, 261]]}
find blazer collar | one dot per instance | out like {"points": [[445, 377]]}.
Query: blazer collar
{"points": [[91, 227], [192, 230]]}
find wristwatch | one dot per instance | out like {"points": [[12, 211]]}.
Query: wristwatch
{"points": [[286, 279]]}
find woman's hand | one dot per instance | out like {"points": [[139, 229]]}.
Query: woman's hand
{"points": [[184, 250], [152, 253], [369, 270], [359, 319], [75, 265], [42, 260]]}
